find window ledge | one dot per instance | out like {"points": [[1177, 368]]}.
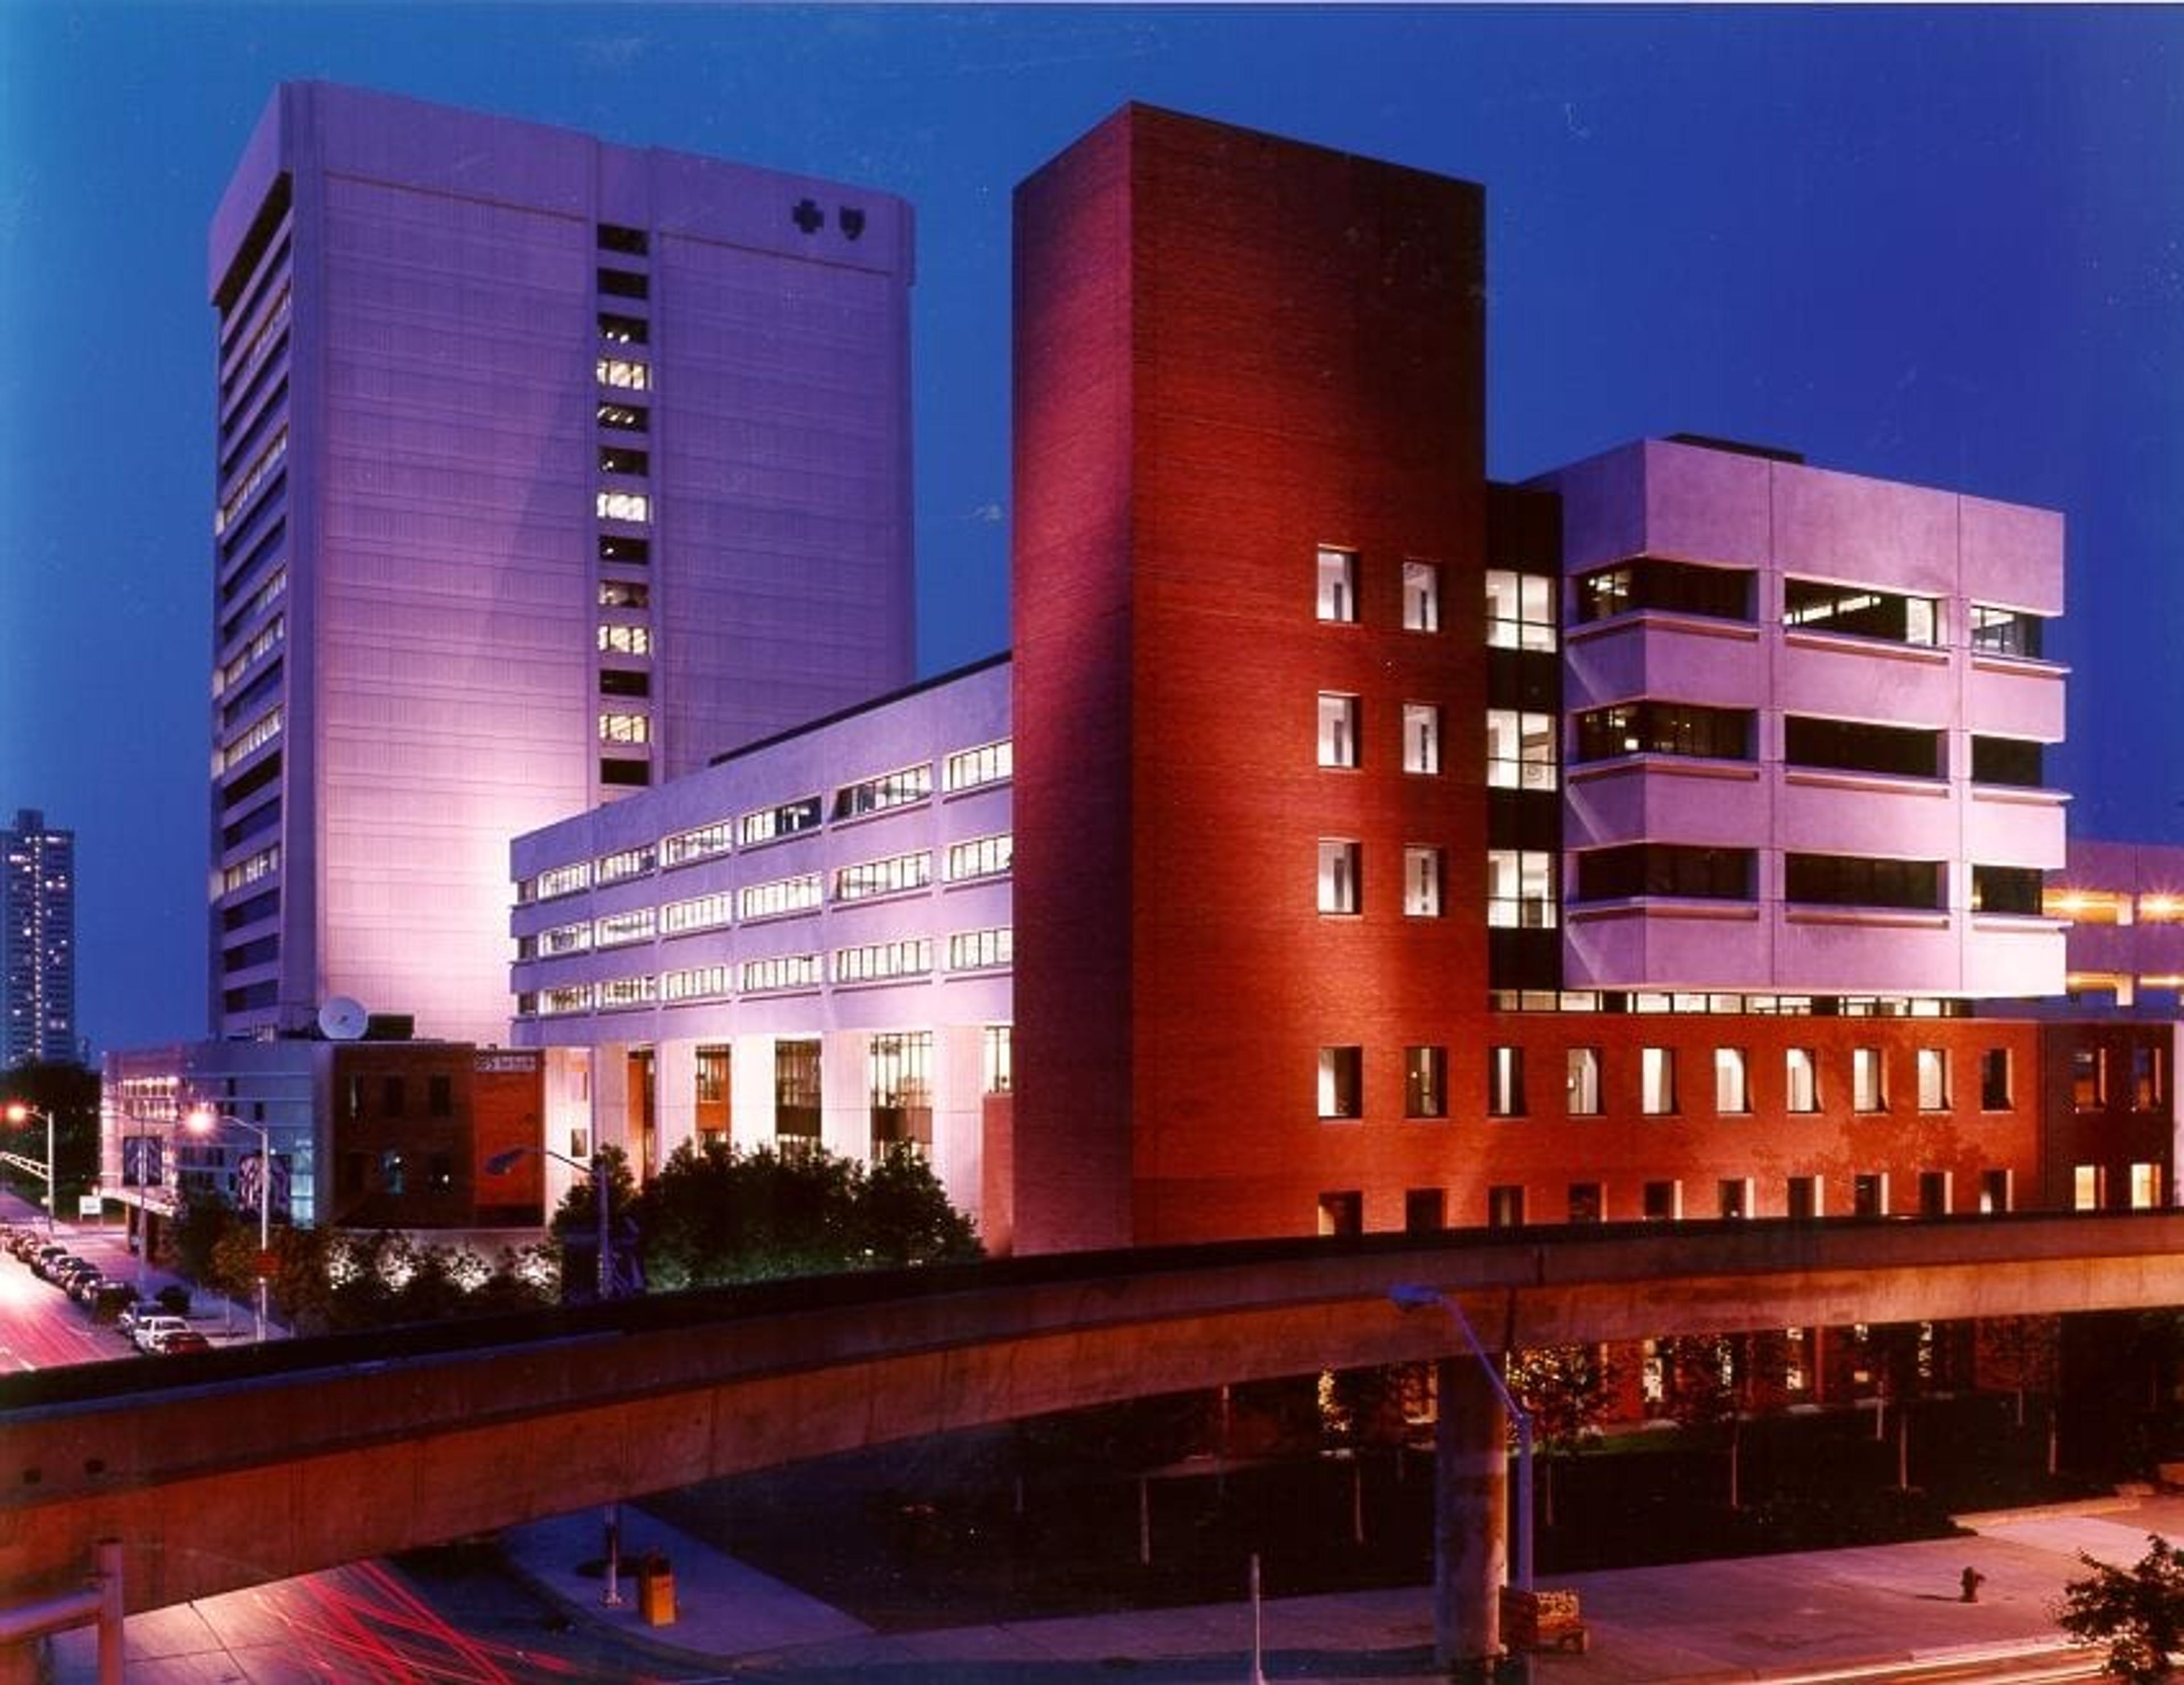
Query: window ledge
{"points": [[1850, 644], [2030, 667], [1899, 918], [2023, 795], [1665, 620], [1845, 778], [1653, 762], [1663, 906]]}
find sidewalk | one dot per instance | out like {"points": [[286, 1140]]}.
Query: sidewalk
{"points": [[1865, 1611]]}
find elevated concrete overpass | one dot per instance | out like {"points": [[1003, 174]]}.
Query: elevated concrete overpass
{"points": [[232, 1468]]}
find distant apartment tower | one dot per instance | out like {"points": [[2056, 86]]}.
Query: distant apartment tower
{"points": [[37, 941], [547, 470]]}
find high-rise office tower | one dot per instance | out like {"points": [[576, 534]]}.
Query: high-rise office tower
{"points": [[37, 940], [546, 469]]}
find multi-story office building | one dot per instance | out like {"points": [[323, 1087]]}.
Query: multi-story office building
{"points": [[1384, 848], [37, 941], [547, 470], [808, 944]]}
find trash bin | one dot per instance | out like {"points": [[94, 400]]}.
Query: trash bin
{"points": [[655, 1590]]}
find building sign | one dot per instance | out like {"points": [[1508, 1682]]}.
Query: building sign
{"points": [[509, 1064]]}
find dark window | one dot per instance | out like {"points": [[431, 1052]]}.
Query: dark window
{"points": [[621, 283], [1425, 1082], [391, 1171], [2009, 761], [392, 1102], [1869, 1195], [618, 682], [1664, 869], [1860, 611], [796, 1090], [1585, 1203], [2149, 1087], [1860, 880], [630, 552], [1994, 1079], [625, 774], [623, 329], [613, 460], [263, 952], [1658, 1201], [354, 1168], [1675, 586], [440, 1171], [628, 418], [261, 774], [2005, 632], [2006, 889], [1804, 1198], [440, 1095], [1994, 1192], [1852, 746], [1505, 1207], [624, 593], [264, 905], [1424, 1210], [1664, 729], [615, 238], [1732, 1196], [2089, 1074], [1933, 1193]]}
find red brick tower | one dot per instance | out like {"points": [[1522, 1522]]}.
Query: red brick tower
{"points": [[1250, 491]]}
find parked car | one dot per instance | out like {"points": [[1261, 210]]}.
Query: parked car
{"points": [[180, 1340], [46, 1256], [66, 1275], [83, 1285], [149, 1329]]}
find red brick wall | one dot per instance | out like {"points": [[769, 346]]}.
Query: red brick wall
{"points": [[1298, 334]]}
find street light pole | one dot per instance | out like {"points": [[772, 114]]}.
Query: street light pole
{"points": [[19, 1113], [1408, 1295], [204, 1120]]}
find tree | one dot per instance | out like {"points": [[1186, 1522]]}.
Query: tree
{"points": [[2138, 1612], [1567, 1391], [68, 1094]]}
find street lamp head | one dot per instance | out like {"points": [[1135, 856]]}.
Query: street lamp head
{"points": [[1413, 1295], [201, 1120], [502, 1162], [18, 1112]]}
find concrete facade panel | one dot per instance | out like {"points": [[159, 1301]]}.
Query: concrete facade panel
{"points": [[1846, 528]]}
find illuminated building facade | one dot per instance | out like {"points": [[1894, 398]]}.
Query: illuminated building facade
{"points": [[1386, 848], [37, 941], [546, 469]]}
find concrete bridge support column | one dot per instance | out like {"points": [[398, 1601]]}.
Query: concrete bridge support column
{"points": [[1471, 1517]]}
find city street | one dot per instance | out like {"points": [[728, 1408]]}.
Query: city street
{"points": [[451, 1614]]}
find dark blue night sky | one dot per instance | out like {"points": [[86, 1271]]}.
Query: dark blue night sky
{"points": [[1944, 246]]}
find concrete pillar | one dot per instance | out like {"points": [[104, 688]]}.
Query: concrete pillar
{"points": [[1470, 1517]]}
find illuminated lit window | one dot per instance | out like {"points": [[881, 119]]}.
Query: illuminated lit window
{"points": [[624, 506], [1422, 883], [615, 928], [781, 971], [1421, 738], [1520, 889], [1520, 610], [2145, 1187], [1338, 584], [770, 824], [1859, 611], [1341, 870], [1933, 1080], [893, 876], [1505, 1082], [1581, 1082], [615, 640], [779, 897], [700, 912], [1342, 1082], [890, 789], [1421, 597], [1504, 1205], [1869, 1081], [1994, 1193], [625, 728], [989, 763], [625, 373], [1800, 1076], [2089, 1072], [1342, 1212], [2005, 632], [1732, 1094], [981, 950], [1338, 730], [684, 848], [878, 961], [2084, 1187], [998, 1058], [981, 857], [1656, 1081], [2150, 1085], [1520, 749]]}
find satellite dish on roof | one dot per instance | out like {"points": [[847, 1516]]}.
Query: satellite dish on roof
{"points": [[342, 1019]]}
